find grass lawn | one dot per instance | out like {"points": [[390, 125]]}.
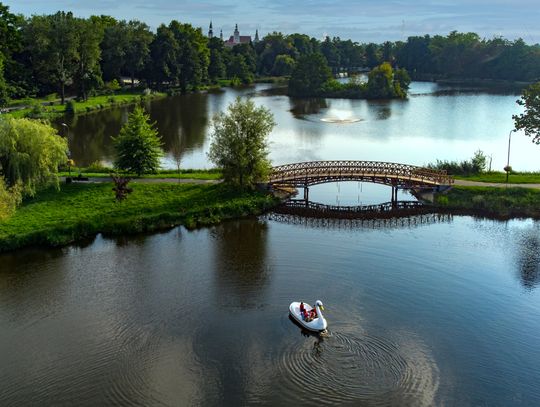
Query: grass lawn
{"points": [[56, 218], [212, 174], [92, 104], [500, 177], [498, 202]]}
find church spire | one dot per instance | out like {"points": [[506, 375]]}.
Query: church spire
{"points": [[256, 35], [210, 30], [221, 35], [236, 35]]}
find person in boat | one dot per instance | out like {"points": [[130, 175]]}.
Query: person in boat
{"points": [[312, 314], [303, 311]]}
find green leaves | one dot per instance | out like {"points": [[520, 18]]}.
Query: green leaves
{"points": [[239, 143], [530, 120], [30, 153], [138, 146]]}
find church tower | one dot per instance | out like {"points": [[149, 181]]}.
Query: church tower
{"points": [[221, 35], [236, 35], [256, 36], [210, 31]]}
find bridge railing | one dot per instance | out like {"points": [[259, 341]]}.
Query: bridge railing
{"points": [[350, 169]]}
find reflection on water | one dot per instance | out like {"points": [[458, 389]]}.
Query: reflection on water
{"points": [[528, 256], [301, 108], [430, 125], [420, 314]]}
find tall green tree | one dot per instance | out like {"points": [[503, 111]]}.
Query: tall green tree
{"points": [[164, 51], [53, 43], [137, 50], [529, 121], [30, 152], [88, 73], [193, 55], [138, 146], [239, 143], [4, 94], [309, 76]]}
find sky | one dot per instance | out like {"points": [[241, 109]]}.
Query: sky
{"points": [[362, 21]]}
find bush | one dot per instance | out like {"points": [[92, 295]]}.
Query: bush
{"points": [[70, 107], [475, 165], [10, 198]]}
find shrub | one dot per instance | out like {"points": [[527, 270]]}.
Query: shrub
{"points": [[70, 107]]}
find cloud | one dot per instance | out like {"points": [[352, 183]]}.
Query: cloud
{"points": [[367, 20]]}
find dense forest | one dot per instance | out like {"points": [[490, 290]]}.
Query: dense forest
{"points": [[64, 54]]}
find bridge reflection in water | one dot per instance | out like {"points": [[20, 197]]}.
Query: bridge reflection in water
{"points": [[385, 215]]}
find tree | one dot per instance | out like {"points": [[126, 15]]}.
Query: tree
{"points": [[4, 95], [239, 143], [30, 153], [283, 66], [87, 72], [138, 146], [529, 121], [53, 43], [309, 76]]}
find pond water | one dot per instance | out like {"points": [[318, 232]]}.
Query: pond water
{"points": [[436, 122], [430, 311]]}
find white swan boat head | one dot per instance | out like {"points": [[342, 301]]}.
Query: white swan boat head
{"points": [[317, 323]]}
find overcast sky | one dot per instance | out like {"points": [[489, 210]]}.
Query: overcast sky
{"points": [[363, 21]]}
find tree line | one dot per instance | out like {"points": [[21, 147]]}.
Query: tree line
{"points": [[61, 53]]}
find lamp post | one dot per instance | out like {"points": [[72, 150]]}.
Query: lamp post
{"points": [[508, 168]]}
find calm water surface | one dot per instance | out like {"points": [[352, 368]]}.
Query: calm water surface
{"points": [[426, 311], [434, 123], [435, 311]]}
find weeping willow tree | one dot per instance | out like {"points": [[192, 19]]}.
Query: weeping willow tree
{"points": [[30, 153]]}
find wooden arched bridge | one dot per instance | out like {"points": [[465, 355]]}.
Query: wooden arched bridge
{"points": [[398, 176]]}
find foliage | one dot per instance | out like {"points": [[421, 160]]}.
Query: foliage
{"points": [[138, 146], [82, 210], [4, 95], [530, 120], [283, 66], [120, 188], [309, 76], [476, 165], [385, 83], [10, 198], [239, 143], [30, 153]]}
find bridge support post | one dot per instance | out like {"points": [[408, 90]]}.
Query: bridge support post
{"points": [[394, 195], [306, 194]]}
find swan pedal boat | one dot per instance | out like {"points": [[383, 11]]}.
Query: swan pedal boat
{"points": [[317, 324]]}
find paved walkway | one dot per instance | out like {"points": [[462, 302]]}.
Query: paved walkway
{"points": [[493, 184]]}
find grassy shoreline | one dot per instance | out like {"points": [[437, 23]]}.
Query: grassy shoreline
{"points": [[500, 177], [53, 110], [78, 211], [211, 174], [493, 202]]}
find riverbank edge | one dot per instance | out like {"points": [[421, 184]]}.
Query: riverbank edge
{"points": [[240, 205], [497, 203]]}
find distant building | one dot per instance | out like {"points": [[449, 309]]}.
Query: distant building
{"points": [[234, 39]]}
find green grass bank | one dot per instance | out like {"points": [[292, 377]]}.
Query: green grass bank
{"points": [[49, 110], [500, 177], [77, 211], [501, 203], [212, 174]]}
